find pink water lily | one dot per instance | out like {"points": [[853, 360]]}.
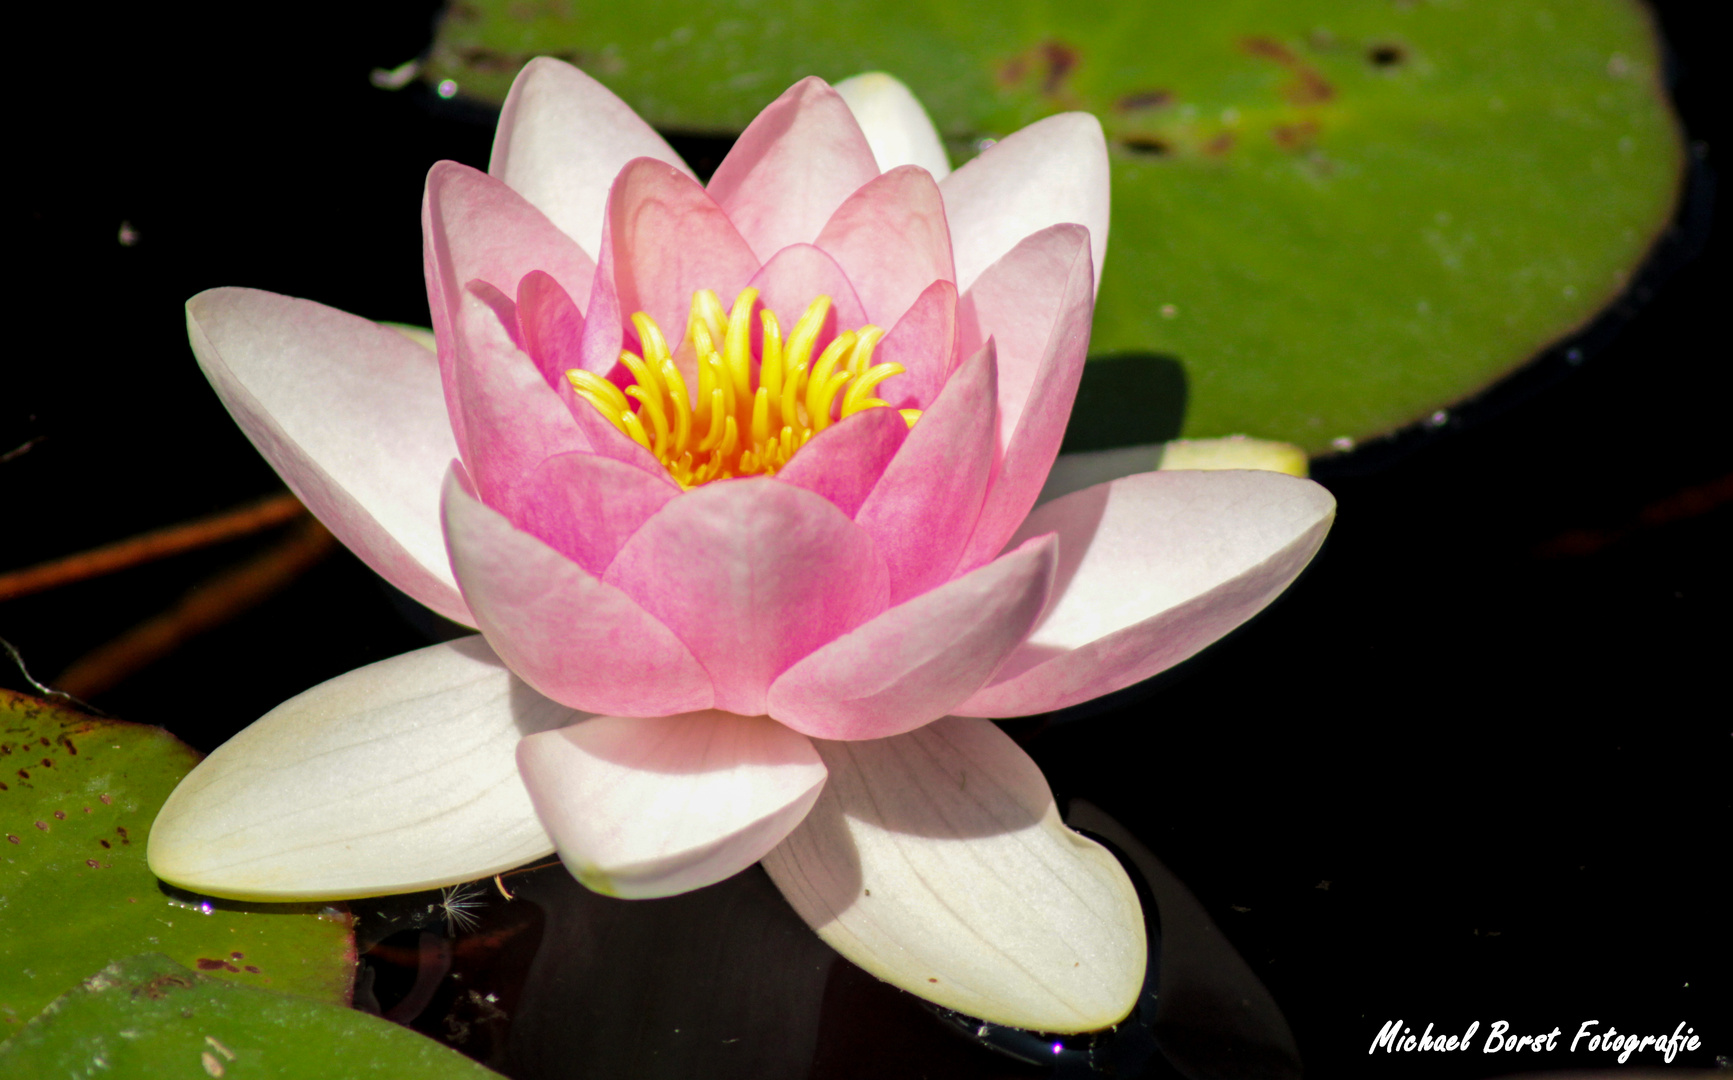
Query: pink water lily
{"points": [[738, 483]]}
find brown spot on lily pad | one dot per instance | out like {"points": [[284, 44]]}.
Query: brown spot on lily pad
{"points": [[59, 815], [253, 968], [12, 838], [1307, 87], [1052, 60], [163, 985], [106, 800], [1146, 145], [206, 963], [1294, 136], [1139, 100]]}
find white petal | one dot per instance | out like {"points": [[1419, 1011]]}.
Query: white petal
{"points": [[351, 415], [398, 776], [1074, 472], [896, 126], [562, 139], [1052, 172], [936, 860], [1152, 568], [643, 807]]}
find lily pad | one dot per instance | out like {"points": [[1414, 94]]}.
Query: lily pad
{"points": [[1337, 216], [77, 797], [148, 1016]]}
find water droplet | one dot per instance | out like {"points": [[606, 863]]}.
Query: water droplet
{"points": [[447, 88], [1342, 442], [128, 235], [1168, 311], [1438, 419], [1573, 356], [982, 145]]}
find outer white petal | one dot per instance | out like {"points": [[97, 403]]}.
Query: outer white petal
{"points": [[562, 138], [1052, 172], [397, 776], [1152, 568], [937, 861], [896, 126], [351, 415], [1074, 472], [642, 807]]}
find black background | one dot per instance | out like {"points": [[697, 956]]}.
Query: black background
{"points": [[1508, 766]]}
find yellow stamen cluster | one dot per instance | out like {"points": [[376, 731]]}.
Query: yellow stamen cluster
{"points": [[742, 421]]}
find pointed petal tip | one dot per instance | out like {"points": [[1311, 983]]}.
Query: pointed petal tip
{"points": [[937, 862], [896, 126], [304, 805]]}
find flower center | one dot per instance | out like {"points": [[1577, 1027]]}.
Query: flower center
{"points": [[751, 413]]}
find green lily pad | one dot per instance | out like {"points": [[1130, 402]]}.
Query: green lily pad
{"points": [[148, 1017], [77, 797], [1337, 216]]}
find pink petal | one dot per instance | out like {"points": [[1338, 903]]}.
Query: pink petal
{"points": [[1052, 172], [473, 226], [585, 506], [894, 123], [845, 460], [752, 575], [1036, 303], [561, 140], [577, 640], [506, 416], [550, 326], [792, 167], [890, 238], [514, 418], [924, 341], [664, 239], [1153, 568], [918, 660], [923, 508], [350, 414], [643, 807], [797, 275]]}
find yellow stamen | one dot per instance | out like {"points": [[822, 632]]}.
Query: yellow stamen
{"points": [[739, 424]]}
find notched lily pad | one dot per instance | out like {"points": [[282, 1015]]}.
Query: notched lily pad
{"points": [[77, 797], [1338, 217], [147, 1017]]}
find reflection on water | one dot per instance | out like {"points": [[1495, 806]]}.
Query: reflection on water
{"points": [[727, 983]]}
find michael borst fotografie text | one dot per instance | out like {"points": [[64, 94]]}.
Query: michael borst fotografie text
{"points": [[1590, 1037]]}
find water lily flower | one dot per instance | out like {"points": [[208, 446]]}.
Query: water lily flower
{"points": [[738, 484]]}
